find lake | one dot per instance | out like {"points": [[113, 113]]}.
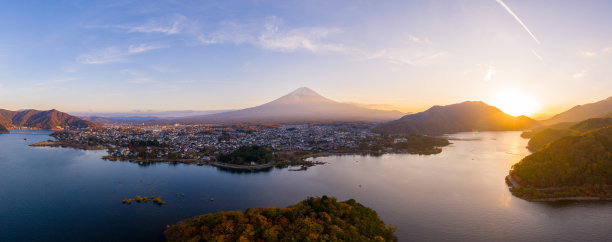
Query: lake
{"points": [[57, 194]]}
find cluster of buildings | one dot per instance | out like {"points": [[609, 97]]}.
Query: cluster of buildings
{"points": [[205, 141]]}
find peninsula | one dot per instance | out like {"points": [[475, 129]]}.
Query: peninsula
{"points": [[570, 168], [242, 146]]}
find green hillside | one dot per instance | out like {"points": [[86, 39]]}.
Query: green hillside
{"points": [[570, 166], [543, 137]]}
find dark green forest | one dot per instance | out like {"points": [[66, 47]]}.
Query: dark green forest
{"points": [[247, 154]]}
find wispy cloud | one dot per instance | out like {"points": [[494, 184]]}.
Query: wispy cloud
{"points": [[518, 20], [581, 74], [303, 38], [490, 72], [135, 49], [132, 72], [607, 49], [271, 35], [588, 53], [136, 76], [114, 54], [140, 80], [174, 25], [56, 81], [418, 40], [405, 56]]}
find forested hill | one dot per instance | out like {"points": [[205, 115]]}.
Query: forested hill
{"points": [[570, 166], [461, 117], [3, 129], [314, 219], [541, 138], [51, 119]]}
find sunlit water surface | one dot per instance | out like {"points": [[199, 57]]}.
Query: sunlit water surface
{"points": [[58, 194]]}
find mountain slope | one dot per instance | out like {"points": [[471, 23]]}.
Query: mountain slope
{"points": [[3, 129], [302, 104], [50, 119], [461, 117], [541, 138], [572, 166], [583, 112]]}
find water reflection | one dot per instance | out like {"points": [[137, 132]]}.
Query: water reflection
{"points": [[58, 194]]}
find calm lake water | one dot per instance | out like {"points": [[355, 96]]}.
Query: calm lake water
{"points": [[55, 194]]}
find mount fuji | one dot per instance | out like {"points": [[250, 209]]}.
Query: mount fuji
{"points": [[300, 105]]}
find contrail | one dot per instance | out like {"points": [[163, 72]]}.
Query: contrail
{"points": [[517, 19], [536, 54]]}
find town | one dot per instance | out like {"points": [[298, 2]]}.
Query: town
{"points": [[204, 143]]}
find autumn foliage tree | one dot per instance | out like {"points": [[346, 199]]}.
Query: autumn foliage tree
{"points": [[314, 219]]}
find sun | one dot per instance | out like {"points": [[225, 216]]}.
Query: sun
{"points": [[516, 103]]}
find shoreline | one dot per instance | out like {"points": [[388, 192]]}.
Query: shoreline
{"points": [[304, 163], [61, 144], [515, 185], [195, 162]]}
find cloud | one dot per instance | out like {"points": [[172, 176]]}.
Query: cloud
{"points": [[132, 72], [490, 72], [517, 19], [405, 56], [607, 49], [588, 53], [418, 40], [136, 76], [114, 54], [56, 81], [140, 80], [580, 74], [415, 39], [271, 35], [134, 49], [295, 39], [175, 25]]}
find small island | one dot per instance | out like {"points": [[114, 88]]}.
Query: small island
{"points": [[314, 219], [157, 200], [570, 168]]}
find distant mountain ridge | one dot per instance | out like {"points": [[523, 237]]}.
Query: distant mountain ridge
{"points": [[51, 119], [460, 117], [120, 120], [302, 104], [578, 113]]}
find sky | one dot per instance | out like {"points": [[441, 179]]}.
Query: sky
{"points": [[125, 56]]}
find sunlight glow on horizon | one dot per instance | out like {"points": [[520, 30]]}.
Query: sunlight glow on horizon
{"points": [[516, 103]]}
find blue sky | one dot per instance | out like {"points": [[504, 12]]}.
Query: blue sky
{"points": [[81, 56]]}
